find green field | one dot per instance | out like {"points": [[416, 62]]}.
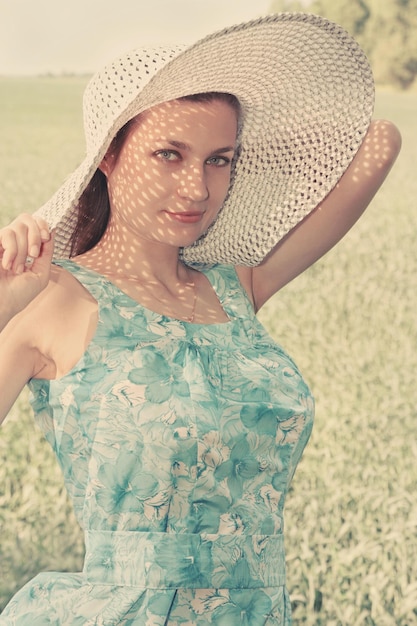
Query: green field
{"points": [[350, 323]]}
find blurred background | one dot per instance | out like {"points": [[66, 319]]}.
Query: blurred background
{"points": [[53, 36], [349, 321]]}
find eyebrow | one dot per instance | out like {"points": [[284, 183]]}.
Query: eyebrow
{"points": [[183, 146]]}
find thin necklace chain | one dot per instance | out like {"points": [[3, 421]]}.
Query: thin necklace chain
{"points": [[190, 284], [191, 317], [185, 318]]}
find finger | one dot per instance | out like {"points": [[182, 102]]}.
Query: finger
{"points": [[9, 248], [21, 251], [43, 227], [48, 248], [41, 266], [44, 260], [26, 243], [35, 229]]}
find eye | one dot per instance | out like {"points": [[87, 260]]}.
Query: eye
{"points": [[219, 161], [167, 155]]}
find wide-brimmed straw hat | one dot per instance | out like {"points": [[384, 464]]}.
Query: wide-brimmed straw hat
{"points": [[306, 92]]}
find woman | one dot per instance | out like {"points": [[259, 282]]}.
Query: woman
{"points": [[213, 176]]}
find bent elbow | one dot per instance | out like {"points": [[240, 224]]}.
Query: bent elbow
{"points": [[384, 143]]}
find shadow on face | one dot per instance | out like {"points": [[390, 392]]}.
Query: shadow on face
{"points": [[166, 181]]}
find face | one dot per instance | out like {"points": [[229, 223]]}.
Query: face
{"points": [[172, 174]]}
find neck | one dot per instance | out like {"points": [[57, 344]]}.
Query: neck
{"points": [[149, 272], [118, 254]]}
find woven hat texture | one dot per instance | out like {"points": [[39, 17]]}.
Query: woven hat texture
{"points": [[306, 92]]}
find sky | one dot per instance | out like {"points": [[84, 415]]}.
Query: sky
{"points": [[80, 36]]}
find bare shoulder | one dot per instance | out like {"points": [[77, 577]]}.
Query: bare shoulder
{"points": [[23, 325], [20, 337], [44, 308], [45, 332], [33, 342]]}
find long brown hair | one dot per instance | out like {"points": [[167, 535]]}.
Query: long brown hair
{"points": [[93, 208]]}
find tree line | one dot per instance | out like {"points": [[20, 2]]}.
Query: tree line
{"points": [[386, 30]]}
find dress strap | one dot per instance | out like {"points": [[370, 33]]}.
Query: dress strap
{"points": [[230, 291], [223, 279], [158, 560], [95, 284]]}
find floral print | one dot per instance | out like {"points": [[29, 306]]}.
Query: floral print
{"points": [[178, 443]]}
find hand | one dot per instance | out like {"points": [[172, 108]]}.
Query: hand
{"points": [[20, 281], [23, 238]]}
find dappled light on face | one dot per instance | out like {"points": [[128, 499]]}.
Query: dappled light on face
{"points": [[173, 172], [166, 187]]}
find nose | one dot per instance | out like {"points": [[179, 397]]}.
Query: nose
{"points": [[193, 184]]}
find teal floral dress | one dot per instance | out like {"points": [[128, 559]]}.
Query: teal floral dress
{"points": [[178, 443]]}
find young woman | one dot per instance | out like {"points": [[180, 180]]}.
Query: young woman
{"points": [[213, 176]]}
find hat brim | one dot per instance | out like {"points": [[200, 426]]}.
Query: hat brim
{"points": [[307, 95]]}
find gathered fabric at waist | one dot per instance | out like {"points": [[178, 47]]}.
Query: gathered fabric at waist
{"points": [[157, 560]]}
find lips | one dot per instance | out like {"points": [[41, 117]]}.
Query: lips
{"points": [[186, 217]]}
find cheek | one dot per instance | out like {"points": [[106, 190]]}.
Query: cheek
{"points": [[221, 186], [134, 184]]}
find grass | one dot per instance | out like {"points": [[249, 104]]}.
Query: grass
{"points": [[349, 322]]}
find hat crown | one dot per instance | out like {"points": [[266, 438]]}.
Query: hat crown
{"points": [[306, 92]]}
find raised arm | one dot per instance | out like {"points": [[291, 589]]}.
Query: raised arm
{"points": [[18, 289], [331, 220]]}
